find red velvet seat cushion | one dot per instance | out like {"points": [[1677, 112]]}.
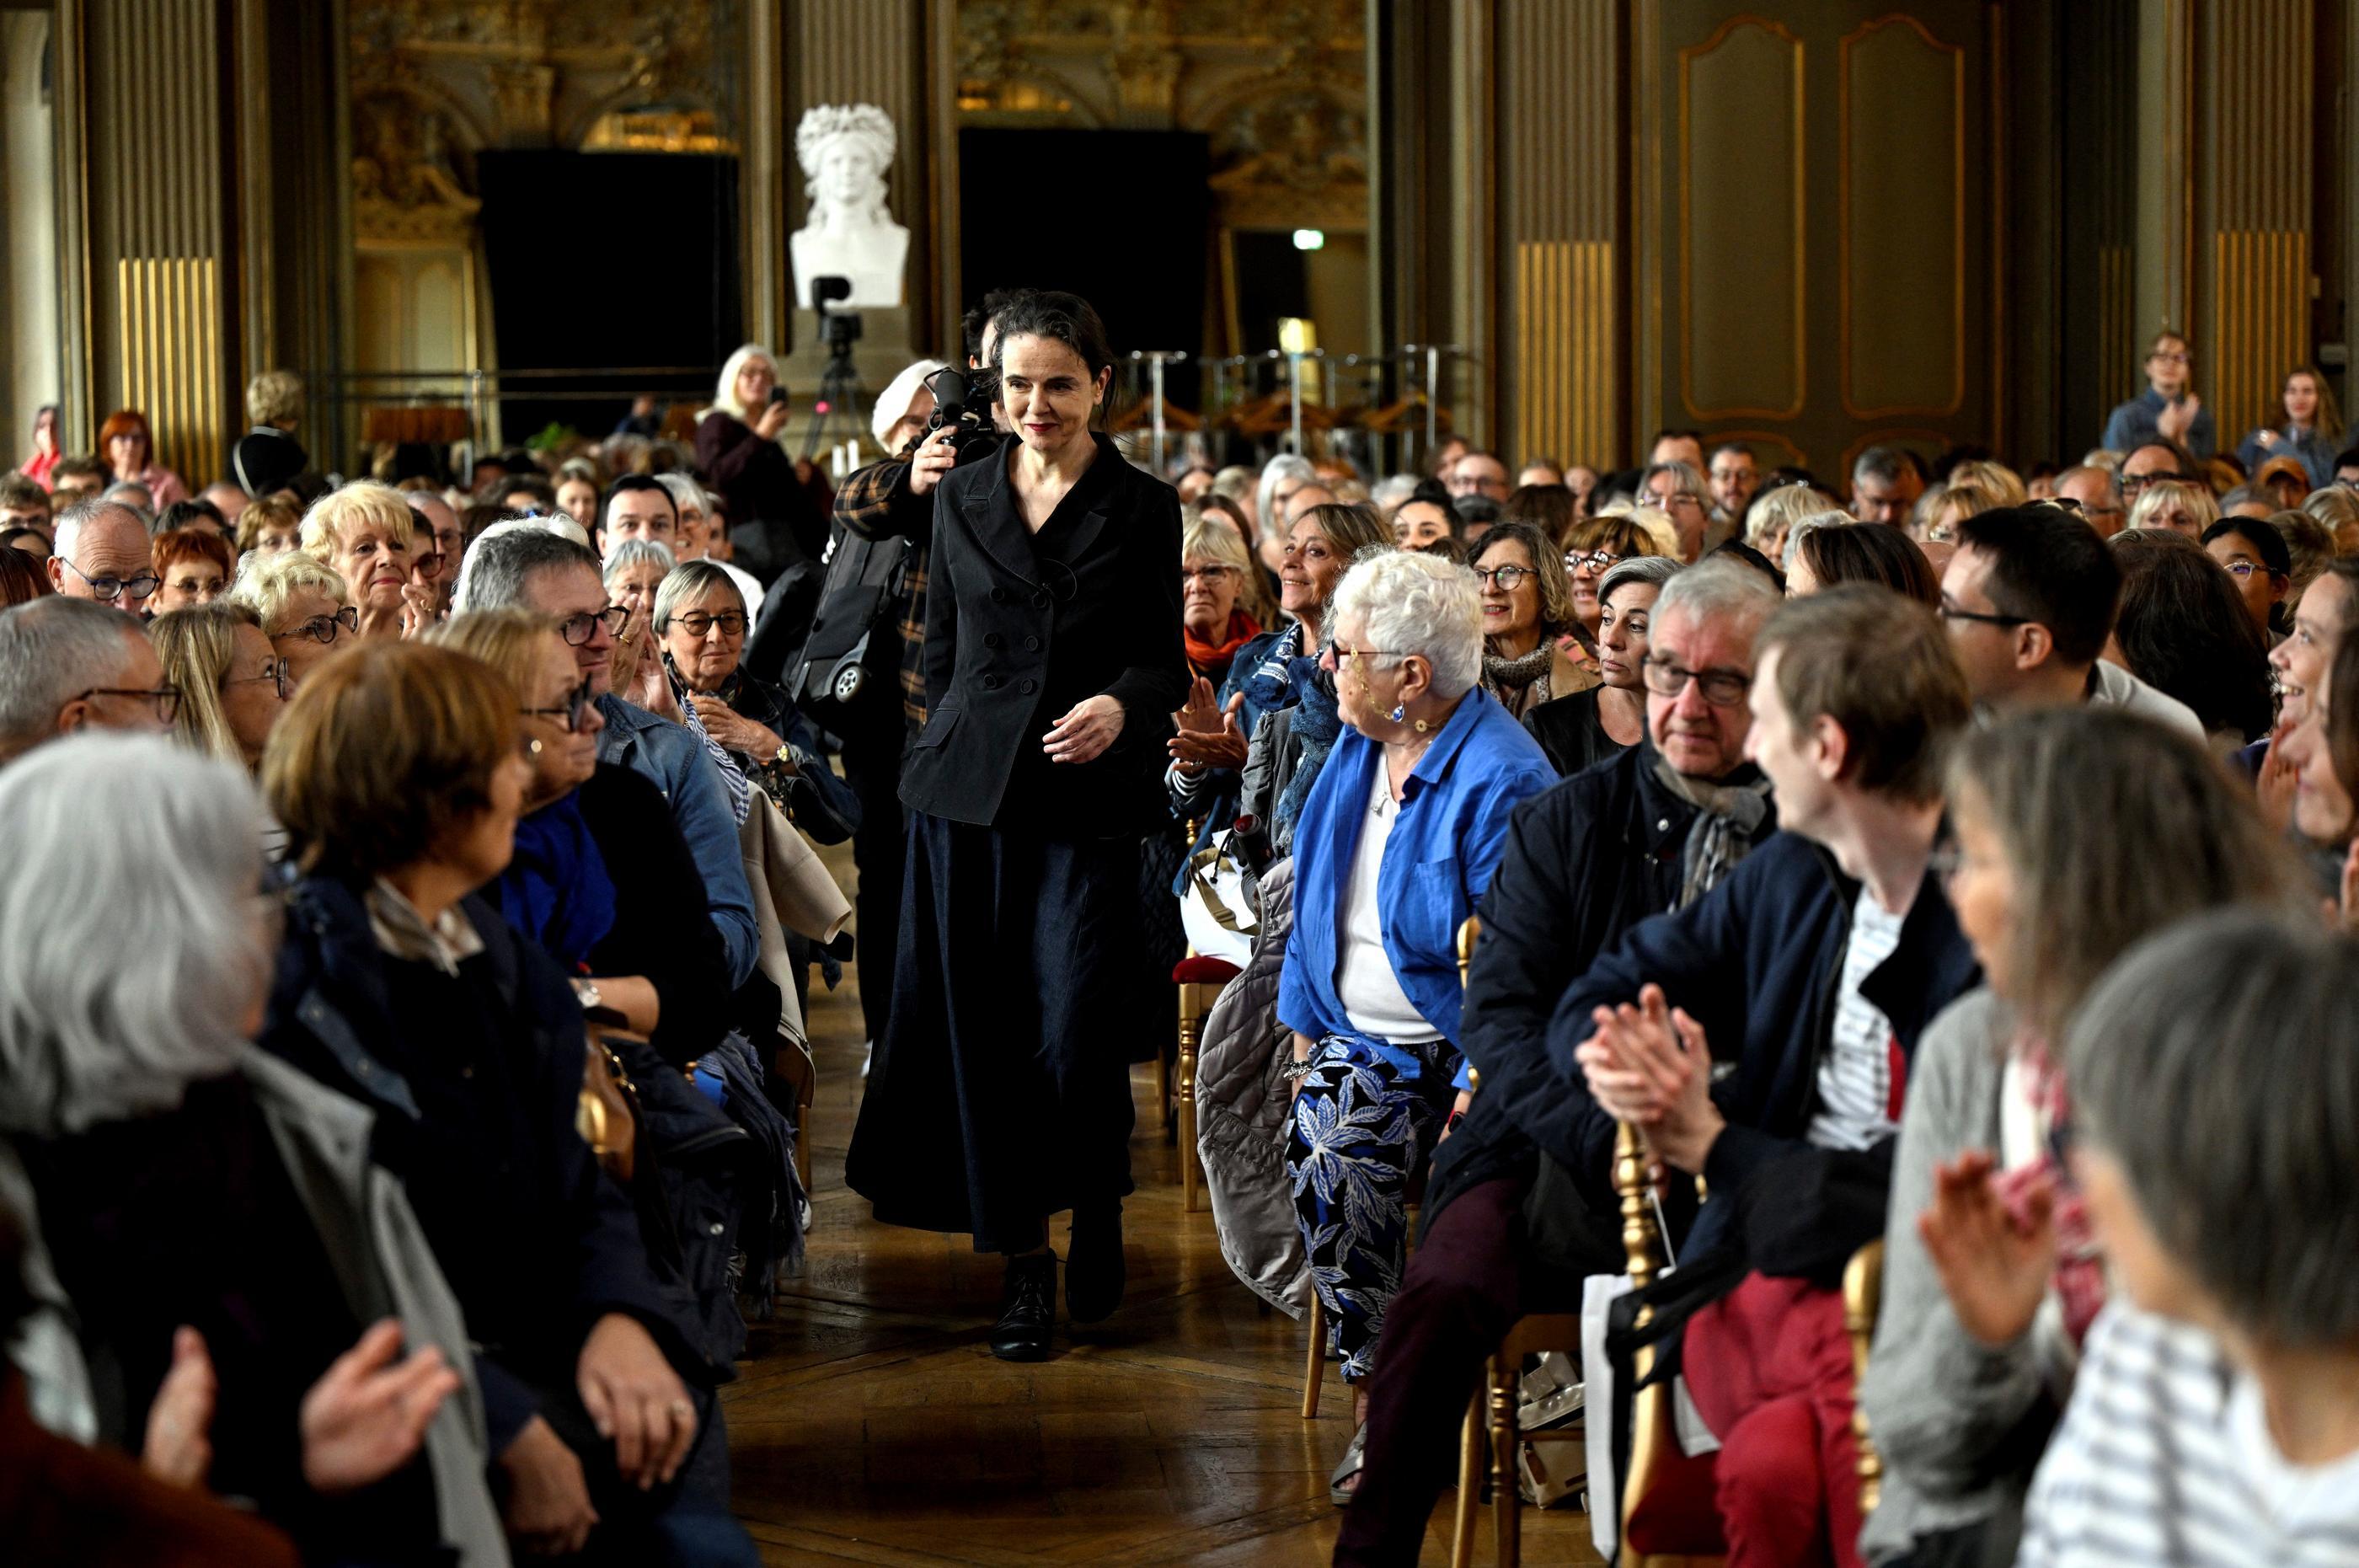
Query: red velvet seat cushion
{"points": [[1679, 1516], [1201, 971]]}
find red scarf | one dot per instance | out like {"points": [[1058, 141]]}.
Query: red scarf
{"points": [[1211, 662]]}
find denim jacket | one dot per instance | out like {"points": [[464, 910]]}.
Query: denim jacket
{"points": [[1448, 839], [673, 760]]}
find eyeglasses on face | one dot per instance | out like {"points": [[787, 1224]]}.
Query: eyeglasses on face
{"points": [[579, 630], [1506, 578], [1595, 559], [567, 715], [276, 674], [107, 589], [428, 564], [166, 698], [323, 628], [1668, 678], [1950, 610], [1211, 575], [696, 623]]}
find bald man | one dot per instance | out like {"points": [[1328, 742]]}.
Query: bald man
{"points": [[101, 554]]}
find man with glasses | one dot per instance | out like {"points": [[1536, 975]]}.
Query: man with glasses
{"points": [[1650, 829], [1885, 482], [1474, 473], [2029, 599], [25, 505], [1735, 479], [2154, 459], [2166, 408], [533, 568], [102, 553], [66, 664], [2099, 496], [1678, 487]]}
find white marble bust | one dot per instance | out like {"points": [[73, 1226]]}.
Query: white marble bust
{"points": [[844, 150]]}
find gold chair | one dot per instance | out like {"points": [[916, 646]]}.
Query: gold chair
{"points": [[1200, 982], [1863, 1290]]}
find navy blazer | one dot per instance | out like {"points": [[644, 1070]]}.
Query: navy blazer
{"points": [[1020, 628]]}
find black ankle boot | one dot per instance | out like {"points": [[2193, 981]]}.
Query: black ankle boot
{"points": [[1027, 1309], [1094, 1274]]}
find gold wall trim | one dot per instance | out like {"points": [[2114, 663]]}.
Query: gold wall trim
{"points": [[1566, 327], [1844, 335], [1686, 59], [2260, 321], [169, 363]]}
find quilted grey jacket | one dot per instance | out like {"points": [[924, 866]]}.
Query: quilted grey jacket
{"points": [[1242, 1107]]}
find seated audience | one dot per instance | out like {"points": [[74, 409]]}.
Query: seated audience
{"points": [[21, 577], [1736, 478], [1549, 509], [2256, 554], [209, 1216], [1421, 519], [1526, 608], [129, 448], [77, 479], [67, 665], [2338, 508], [1886, 482], [2181, 505], [2309, 549], [1591, 547], [268, 527], [2167, 407], [441, 546], [365, 534], [193, 565], [634, 569], [1595, 725], [2310, 431], [1425, 778], [535, 569], [399, 986], [2054, 874], [25, 505], [577, 492], [2210, 1421], [1823, 557], [694, 542], [1678, 488], [636, 507], [232, 686], [2183, 629], [2098, 494], [304, 607], [46, 450], [195, 514], [2029, 599], [1770, 520], [1650, 829], [102, 553], [1479, 474]]}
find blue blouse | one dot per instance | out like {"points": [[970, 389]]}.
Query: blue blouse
{"points": [[1444, 845]]}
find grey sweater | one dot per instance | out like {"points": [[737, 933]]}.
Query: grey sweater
{"points": [[1960, 1426]]}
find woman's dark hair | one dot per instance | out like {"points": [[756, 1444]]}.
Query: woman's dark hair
{"points": [[1051, 313], [1548, 561], [2343, 717], [21, 577], [2184, 630], [1548, 507], [190, 514], [1870, 552]]}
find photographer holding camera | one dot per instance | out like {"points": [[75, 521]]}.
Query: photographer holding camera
{"points": [[775, 522]]}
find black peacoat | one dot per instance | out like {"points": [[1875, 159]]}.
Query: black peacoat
{"points": [[1020, 628]]}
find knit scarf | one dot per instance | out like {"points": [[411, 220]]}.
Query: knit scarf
{"points": [[1498, 669], [1314, 726], [1211, 661], [555, 890], [1732, 818]]}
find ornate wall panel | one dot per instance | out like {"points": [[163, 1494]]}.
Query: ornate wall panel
{"points": [[1901, 207], [2256, 298], [1740, 224]]}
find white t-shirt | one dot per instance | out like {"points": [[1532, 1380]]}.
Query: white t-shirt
{"points": [[1855, 1074], [1364, 982]]}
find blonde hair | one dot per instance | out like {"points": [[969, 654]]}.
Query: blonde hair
{"points": [[1997, 480], [275, 398], [361, 501], [1775, 512], [507, 640], [269, 582], [196, 647], [724, 394], [1205, 536], [2189, 495]]}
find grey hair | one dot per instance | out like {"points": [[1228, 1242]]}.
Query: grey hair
{"points": [[1654, 569], [685, 491], [636, 552], [51, 648], [689, 581], [1391, 491], [1415, 603], [2113, 480], [2213, 1064], [1690, 478], [1811, 523], [500, 564], [1719, 588], [1884, 462], [86, 513], [1285, 465], [113, 1001]]}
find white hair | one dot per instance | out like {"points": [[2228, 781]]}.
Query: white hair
{"points": [[1413, 603], [1391, 491], [50, 649], [893, 403], [113, 1001], [66, 533], [685, 492], [1285, 465]]}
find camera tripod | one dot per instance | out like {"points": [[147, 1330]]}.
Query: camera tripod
{"points": [[836, 411]]}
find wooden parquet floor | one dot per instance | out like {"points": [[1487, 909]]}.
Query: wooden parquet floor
{"points": [[871, 1424]]}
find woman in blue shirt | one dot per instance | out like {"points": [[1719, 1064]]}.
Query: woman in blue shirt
{"points": [[2307, 433], [1396, 843]]}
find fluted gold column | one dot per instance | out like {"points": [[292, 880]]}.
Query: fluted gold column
{"points": [[2255, 237]]}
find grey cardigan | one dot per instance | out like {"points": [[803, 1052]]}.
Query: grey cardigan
{"points": [[1960, 1426]]}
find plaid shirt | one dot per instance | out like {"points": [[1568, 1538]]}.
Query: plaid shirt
{"points": [[875, 504]]}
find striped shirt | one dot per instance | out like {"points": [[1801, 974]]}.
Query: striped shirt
{"points": [[2165, 1458], [1855, 1074]]}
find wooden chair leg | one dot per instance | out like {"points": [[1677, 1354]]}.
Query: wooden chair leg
{"points": [[1191, 1168], [1470, 1483], [1315, 1368], [1163, 1095], [1507, 1527]]}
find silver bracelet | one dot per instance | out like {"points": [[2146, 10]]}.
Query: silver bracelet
{"points": [[1299, 1068]]}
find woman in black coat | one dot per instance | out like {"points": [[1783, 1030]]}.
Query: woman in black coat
{"points": [[773, 520], [1000, 1093]]}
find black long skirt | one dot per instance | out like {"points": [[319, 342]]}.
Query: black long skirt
{"points": [[1000, 1093]]}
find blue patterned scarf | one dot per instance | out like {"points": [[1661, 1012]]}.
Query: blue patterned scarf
{"points": [[555, 890]]}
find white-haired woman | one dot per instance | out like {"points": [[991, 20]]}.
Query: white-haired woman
{"points": [[1394, 847], [364, 533], [211, 1217], [304, 605], [694, 506], [775, 522]]}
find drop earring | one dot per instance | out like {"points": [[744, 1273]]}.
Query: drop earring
{"points": [[1397, 715]]}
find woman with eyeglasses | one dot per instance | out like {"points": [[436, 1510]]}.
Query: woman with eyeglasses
{"points": [[1591, 547], [1527, 604], [1590, 727], [700, 624], [195, 566], [232, 684], [304, 607]]}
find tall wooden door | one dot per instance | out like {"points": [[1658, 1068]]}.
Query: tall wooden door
{"points": [[1819, 225]]}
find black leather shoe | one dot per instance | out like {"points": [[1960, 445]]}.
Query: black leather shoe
{"points": [[1094, 1273], [1027, 1309]]}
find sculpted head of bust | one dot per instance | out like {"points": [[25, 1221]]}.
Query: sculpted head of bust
{"points": [[844, 150]]}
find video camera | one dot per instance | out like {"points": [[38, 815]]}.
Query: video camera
{"points": [[837, 328], [974, 427]]}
